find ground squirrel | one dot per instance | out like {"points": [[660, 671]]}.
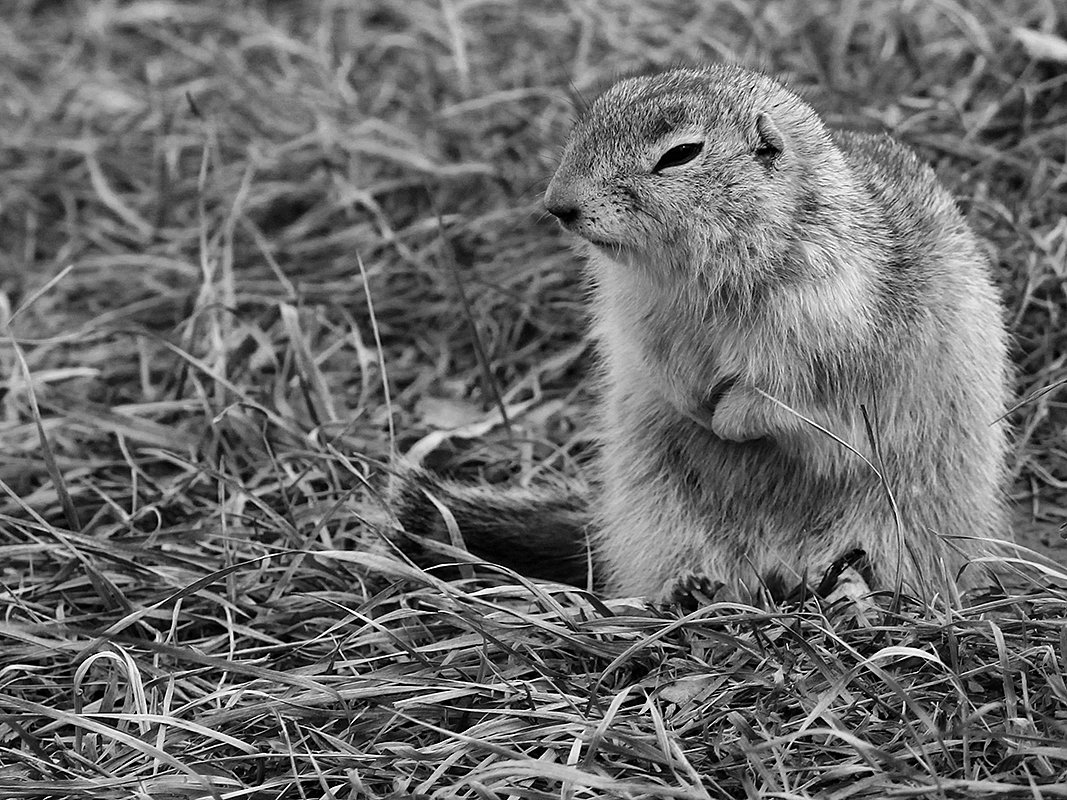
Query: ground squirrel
{"points": [[755, 275]]}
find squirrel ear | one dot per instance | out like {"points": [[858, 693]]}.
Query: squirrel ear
{"points": [[771, 142]]}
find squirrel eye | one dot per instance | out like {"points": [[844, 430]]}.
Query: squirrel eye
{"points": [[680, 154]]}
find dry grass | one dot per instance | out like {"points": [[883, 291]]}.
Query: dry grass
{"points": [[201, 204]]}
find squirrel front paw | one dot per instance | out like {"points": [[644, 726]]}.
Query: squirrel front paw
{"points": [[742, 415]]}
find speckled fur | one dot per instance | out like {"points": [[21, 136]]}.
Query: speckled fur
{"points": [[833, 275]]}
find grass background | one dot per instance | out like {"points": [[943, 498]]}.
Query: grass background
{"points": [[235, 240]]}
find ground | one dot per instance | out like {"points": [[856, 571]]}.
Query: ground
{"points": [[251, 251]]}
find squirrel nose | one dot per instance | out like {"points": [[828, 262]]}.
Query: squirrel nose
{"points": [[565, 213]]}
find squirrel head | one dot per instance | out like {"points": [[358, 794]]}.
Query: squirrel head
{"points": [[691, 162]]}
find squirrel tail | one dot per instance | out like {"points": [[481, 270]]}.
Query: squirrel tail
{"points": [[539, 532]]}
